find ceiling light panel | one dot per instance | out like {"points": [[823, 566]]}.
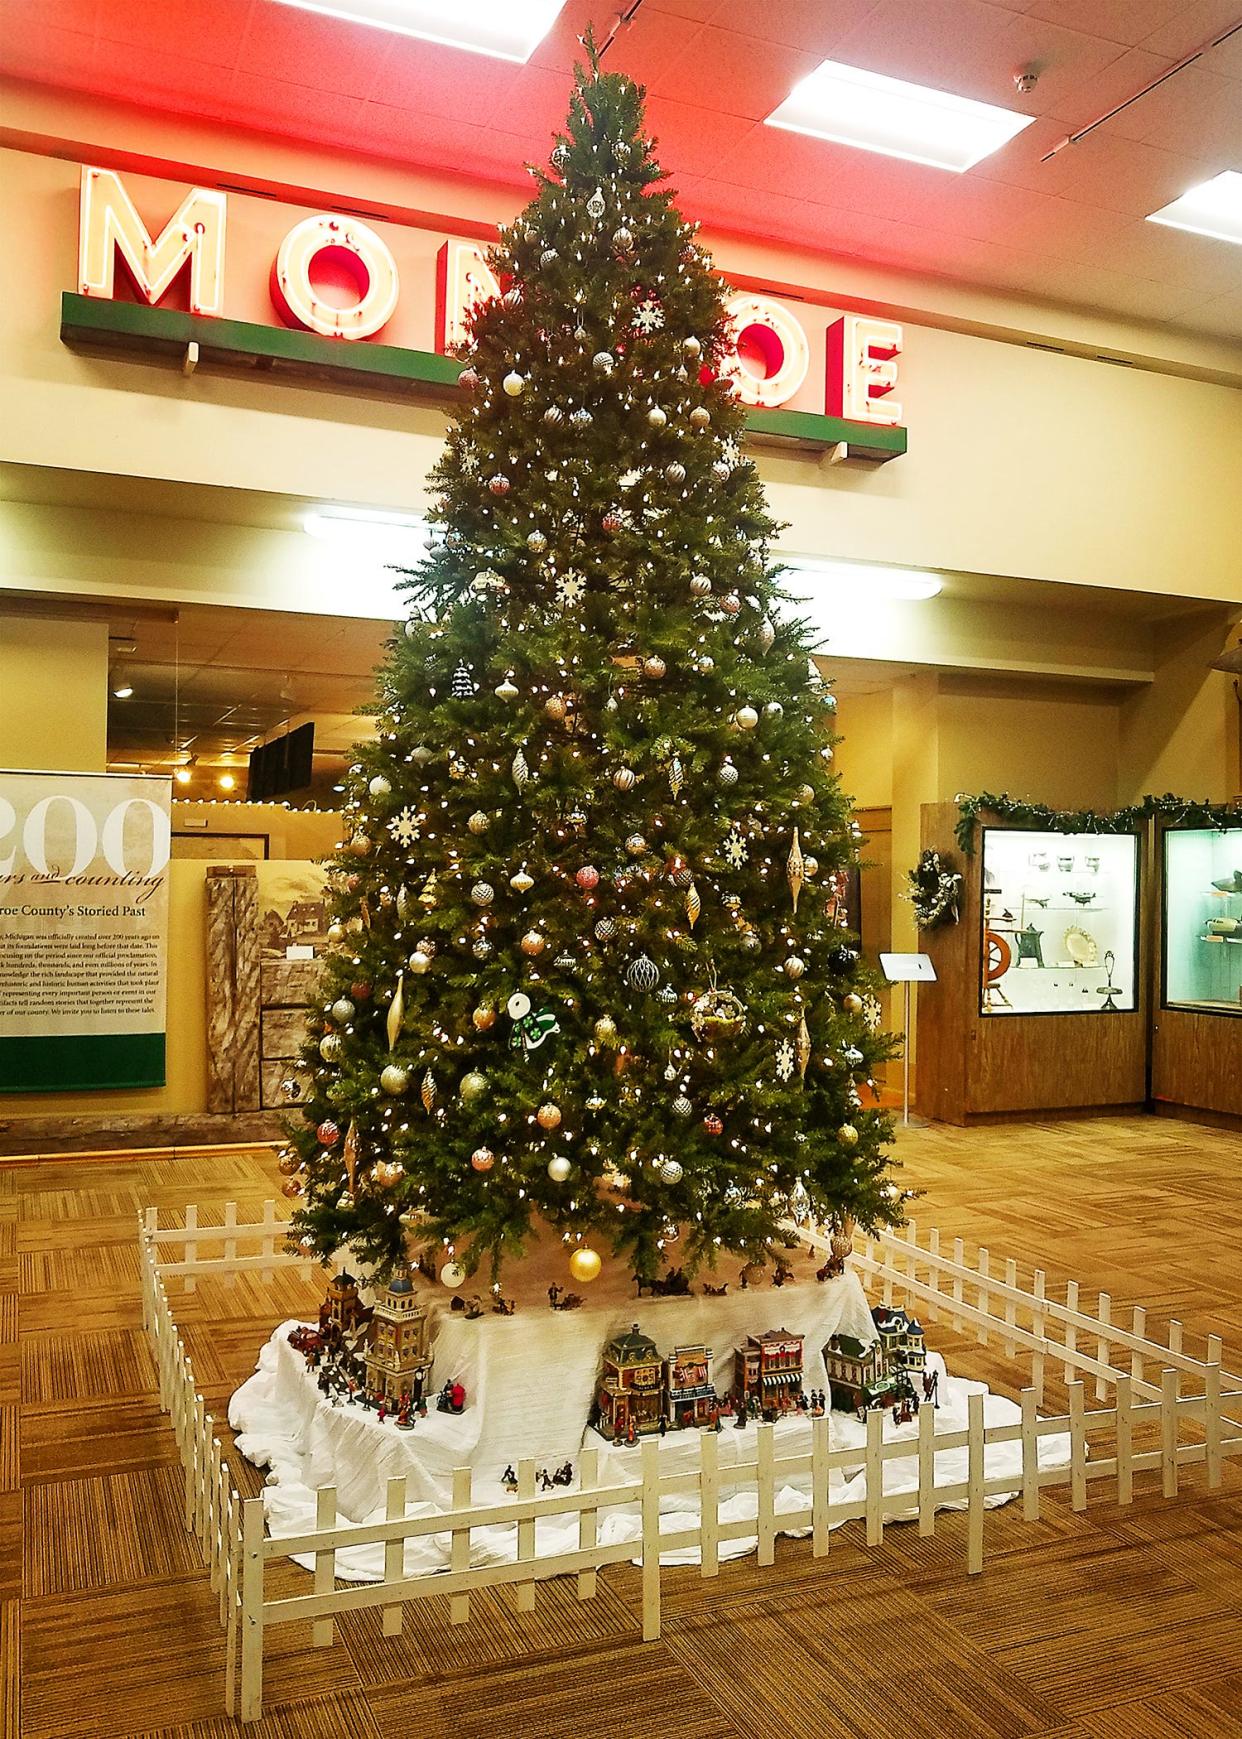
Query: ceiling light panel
{"points": [[851, 106], [1214, 208], [505, 29]]}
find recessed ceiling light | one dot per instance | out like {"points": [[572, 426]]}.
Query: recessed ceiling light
{"points": [[506, 29], [1213, 208], [226, 781], [392, 539], [851, 106], [809, 578]]}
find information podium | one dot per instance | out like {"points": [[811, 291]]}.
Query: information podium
{"points": [[907, 969]]}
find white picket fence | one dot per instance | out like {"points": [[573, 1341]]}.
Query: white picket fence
{"points": [[1150, 1384]]}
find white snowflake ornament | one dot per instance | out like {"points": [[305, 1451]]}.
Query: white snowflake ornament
{"points": [[784, 1060], [404, 827], [733, 851], [649, 316], [570, 590]]}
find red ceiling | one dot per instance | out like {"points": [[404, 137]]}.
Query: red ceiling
{"points": [[1070, 229]]}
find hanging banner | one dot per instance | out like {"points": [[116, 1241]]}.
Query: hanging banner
{"points": [[83, 930]]}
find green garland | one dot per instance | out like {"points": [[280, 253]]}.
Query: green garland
{"points": [[1184, 811]]}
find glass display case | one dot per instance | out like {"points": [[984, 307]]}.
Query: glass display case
{"points": [[1203, 920], [1060, 922]]}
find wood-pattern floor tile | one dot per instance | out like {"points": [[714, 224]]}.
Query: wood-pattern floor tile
{"points": [[10, 1545], [49, 1274], [80, 1368], [61, 1442], [10, 1669], [10, 1447], [341, 1715], [98, 1532]]}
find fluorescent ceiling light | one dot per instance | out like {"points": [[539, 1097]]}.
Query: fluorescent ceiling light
{"points": [[854, 107], [389, 539], [816, 582], [505, 29], [1213, 208]]}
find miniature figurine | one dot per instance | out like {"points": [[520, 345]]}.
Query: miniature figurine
{"points": [[451, 1399], [508, 1478]]}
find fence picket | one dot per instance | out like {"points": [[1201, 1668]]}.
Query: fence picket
{"points": [[459, 1546], [985, 1297], [1168, 1432], [875, 1477], [588, 1520], [959, 1257], [933, 1246], [974, 1484], [1078, 1447], [1071, 1331], [394, 1553], [323, 1630], [268, 1247], [709, 1502], [1011, 1308], [1124, 1432], [651, 1538], [1211, 1423], [765, 1481], [1030, 1458], [1038, 1327], [927, 1471], [252, 1610], [820, 1534], [525, 1597], [1140, 1331], [230, 1244], [191, 1244], [1103, 1345]]}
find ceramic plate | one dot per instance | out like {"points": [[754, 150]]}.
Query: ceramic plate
{"points": [[1082, 949]]}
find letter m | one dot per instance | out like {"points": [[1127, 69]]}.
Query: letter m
{"points": [[109, 225]]}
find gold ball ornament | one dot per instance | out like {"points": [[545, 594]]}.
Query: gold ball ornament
{"points": [[605, 1030], [482, 1159], [847, 1135], [746, 718], [624, 778], [556, 706], [360, 845], [795, 966], [585, 1265], [533, 943], [548, 1116], [484, 1018], [473, 1086], [852, 1003], [290, 1161], [559, 1168], [477, 822], [654, 667]]}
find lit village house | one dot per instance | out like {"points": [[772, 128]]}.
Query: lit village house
{"points": [[767, 1370], [878, 1373], [391, 1339]]}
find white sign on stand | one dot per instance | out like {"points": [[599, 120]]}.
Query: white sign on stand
{"points": [[907, 969]]}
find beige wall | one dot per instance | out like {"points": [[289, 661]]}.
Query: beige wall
{"points": [[53, 695], [1021, 462], [1052, 744]]}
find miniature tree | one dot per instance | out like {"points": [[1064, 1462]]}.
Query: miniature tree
{"points": [[590, 967]]}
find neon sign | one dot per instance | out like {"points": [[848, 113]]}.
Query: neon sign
{"points": [[767, 365]]}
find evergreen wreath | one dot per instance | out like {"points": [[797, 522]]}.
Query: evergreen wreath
{"points": [[935, 887]]}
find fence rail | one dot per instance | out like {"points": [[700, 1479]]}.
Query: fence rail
{"points": [[1157, 1389]]}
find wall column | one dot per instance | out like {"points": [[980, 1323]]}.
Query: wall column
{"points": [[53, 695]]}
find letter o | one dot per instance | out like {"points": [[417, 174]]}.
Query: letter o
{"points": [[34, 836], [113, 837], [774, 335], [369, 260]]}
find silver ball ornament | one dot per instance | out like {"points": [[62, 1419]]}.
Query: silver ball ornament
{"points": [[394, 1078], [343, 1011], [514, 384], [671, 1171], [380, 787], [559, 1168]]}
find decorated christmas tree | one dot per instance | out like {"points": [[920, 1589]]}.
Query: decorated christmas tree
{"points": [[591, 973]]}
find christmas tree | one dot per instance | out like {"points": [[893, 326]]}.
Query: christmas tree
{"points": [[590, 968]]}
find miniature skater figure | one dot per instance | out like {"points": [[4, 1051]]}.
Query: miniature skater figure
{"points": [[382, 1414], [663, 1426], [406, 1417], [451, 1399], [508, 1478], [631, 1436], [554, 1292], [545, 1481]]}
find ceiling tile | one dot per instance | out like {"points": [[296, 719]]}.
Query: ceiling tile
{"points": [[205, 30], [442, 81], [1194, 112], [1124, 21], [1193, 27], [308, 48], [691, 140], [1081, 101], [814, 25], [275, 106], [740, 75]]}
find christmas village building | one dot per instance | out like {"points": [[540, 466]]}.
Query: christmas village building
{"points": [[875, 1373], [398, 1355], [767, 1369], [631, 1387], [689, 1396]]}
